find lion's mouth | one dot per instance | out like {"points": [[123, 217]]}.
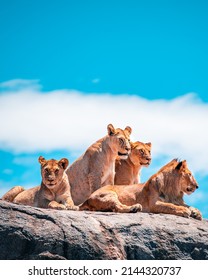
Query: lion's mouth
{"points": [[51, 184], [189, 190], [122, 154], [147, 163]]}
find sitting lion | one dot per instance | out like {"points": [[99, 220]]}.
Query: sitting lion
{"points": [[96, 167], [128, 170], [162, 193], [54, 191]]}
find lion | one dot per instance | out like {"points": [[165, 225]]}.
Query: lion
{"points": [[96, 167], [54, 191], [162, 193], [128, 170]]}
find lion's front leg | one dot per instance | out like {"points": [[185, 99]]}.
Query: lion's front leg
{"points": [[70, 204], [170, 208], [109, 181], [195, 213], [55, 205]]}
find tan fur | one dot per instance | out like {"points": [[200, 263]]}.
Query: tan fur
{"points": [[96, 167], [162, 193], [128, 170], [54, 191]]}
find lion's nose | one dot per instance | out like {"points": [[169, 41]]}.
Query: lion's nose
{"points": [[197, 186], [50, 178]]}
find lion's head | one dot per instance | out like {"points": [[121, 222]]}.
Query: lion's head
{"points": [[52, 171], [174, 179], [120, 140], [140, 153], [187, 181]]}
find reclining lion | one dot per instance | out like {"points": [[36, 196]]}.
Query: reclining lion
{"points": [[128, 170], [54, 191], [96, 167], [162, 193]]}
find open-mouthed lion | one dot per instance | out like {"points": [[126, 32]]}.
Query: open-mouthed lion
{"points": [[54, 191], [162, 193], [96, 167], [128, 170]]}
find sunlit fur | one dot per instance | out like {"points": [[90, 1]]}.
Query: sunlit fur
{"points": [[162, 193], [54, 191], [128, 171], [96, 167]]}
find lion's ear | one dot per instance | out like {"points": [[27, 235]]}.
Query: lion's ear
{"points": [[64, 163], [184, 164], [128, 129], [133, 145], [41, 160], [111, 129], [149, 144], [181, 165]]}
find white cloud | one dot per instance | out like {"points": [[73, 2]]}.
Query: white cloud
{"points": [[66, 119], [19, 84]]}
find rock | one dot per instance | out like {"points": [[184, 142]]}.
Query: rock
{"points": [[32, 233]]}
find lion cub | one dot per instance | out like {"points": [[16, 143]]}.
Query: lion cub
{"points": [[128, 170], [54, 191]]}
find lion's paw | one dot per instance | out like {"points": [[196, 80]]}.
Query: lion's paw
{"points": [[56, 206], [186, 213], [136, 208], [195, 213], [72, 207]]}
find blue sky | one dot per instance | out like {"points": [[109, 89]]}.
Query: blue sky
{"points": [[90, 60]]}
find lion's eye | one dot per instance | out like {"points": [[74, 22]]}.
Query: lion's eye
{"points": [[121, 141], [46, 170], [56, 171], [142, 152]]}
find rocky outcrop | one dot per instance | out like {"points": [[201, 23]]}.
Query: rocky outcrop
{"points": [[32, 233]]}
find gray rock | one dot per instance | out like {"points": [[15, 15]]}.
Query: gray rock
{"points": [[32, 233]]}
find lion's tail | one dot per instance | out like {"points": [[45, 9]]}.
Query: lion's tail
{"points": [[11, 194]]}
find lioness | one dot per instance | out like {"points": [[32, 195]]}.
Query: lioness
{"points": [[162, 193], [54, 191], [96, 167], [128, 170]]}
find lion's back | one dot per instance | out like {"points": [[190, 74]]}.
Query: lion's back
{"points": [[78, 179], [28, 197]]}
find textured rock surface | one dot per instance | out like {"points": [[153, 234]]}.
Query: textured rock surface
{"points": [[32, 233]]}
